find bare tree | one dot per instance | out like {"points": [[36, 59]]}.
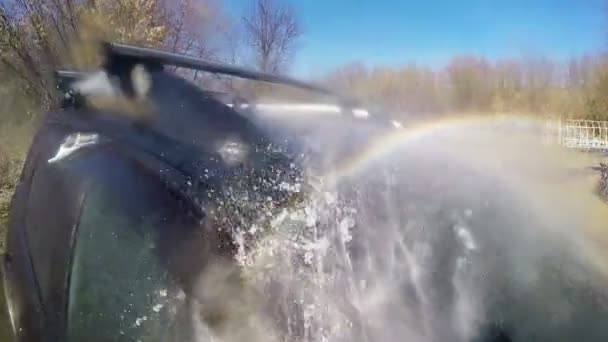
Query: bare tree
{"points": [[272, 30]]}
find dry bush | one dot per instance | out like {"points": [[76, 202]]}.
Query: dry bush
{"points": [[40, 36]]}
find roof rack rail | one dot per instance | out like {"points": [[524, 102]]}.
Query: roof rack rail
{"points": [[65, 78], [121, 51]]}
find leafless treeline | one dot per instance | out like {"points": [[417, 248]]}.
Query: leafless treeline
{"points": [[527, 85]]}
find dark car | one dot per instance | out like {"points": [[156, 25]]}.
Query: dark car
{"points": [[118, 208]]}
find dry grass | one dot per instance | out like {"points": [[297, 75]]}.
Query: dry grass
{"points": [[14, 142]]}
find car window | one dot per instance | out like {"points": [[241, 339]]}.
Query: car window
{"points": [[119, 289]]}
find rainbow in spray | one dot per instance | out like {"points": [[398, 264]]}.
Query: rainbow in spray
{"points": [[385, 145]]}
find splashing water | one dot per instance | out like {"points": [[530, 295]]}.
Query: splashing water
{"points": [[460, 231]]}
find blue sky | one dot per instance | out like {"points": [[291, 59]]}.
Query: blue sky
{"points": [[430, 32]]}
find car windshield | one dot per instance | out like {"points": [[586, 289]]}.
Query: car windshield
{"points": [[114, 255]]}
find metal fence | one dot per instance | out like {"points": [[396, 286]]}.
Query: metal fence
{"points": [[583, 134]]}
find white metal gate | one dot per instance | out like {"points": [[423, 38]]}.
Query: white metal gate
{"points": [[583, 134]]}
